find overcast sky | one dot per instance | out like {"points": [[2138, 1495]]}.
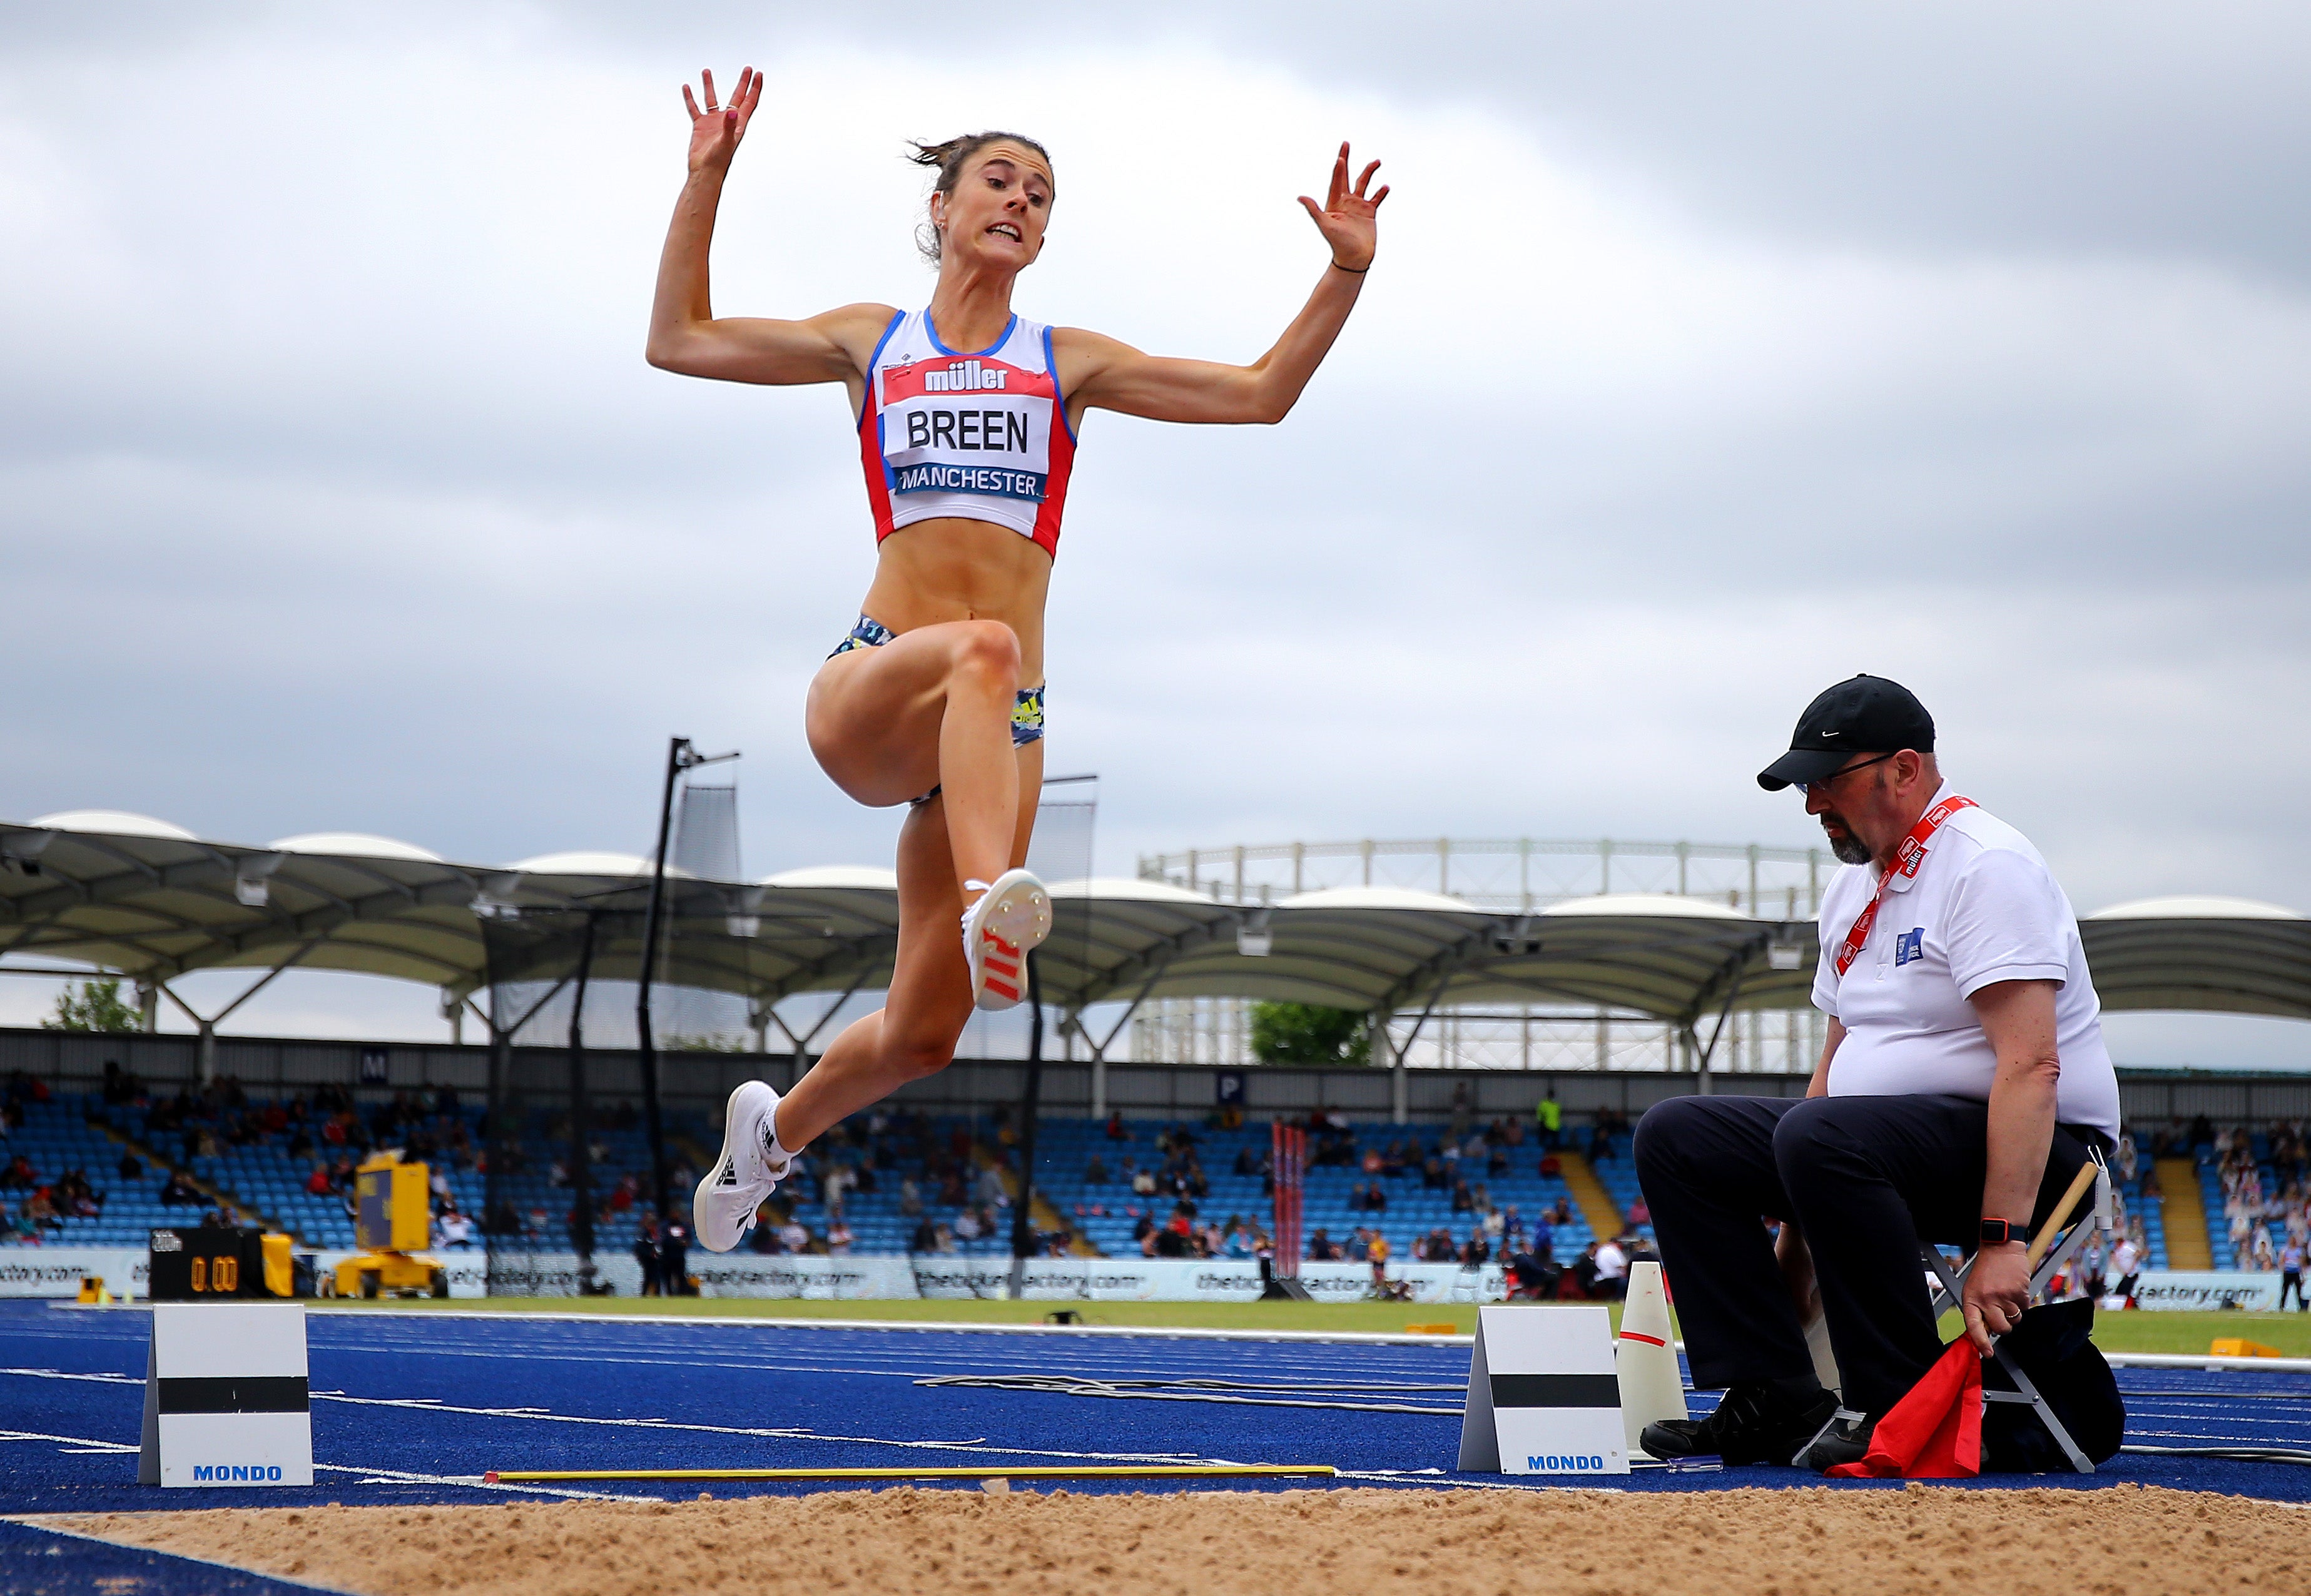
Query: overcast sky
{"points": [[1712, 354]]}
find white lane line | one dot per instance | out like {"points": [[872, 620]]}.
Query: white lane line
{"points": [[544, 1415], [1153, 1332], [371, 1476], [36, 1521], [942, 1365], [547, 1416], [2142, 1360]]}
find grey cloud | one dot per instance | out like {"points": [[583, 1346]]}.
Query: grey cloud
{"points": [[1967, 349]]}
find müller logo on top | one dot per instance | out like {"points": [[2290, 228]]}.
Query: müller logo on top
{"points": [[963, 377]]}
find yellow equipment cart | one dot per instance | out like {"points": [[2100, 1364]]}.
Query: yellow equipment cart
{"points": [[393, 1222]]}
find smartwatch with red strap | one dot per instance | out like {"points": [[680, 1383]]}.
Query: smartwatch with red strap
{"points": [[1997, 1233]]}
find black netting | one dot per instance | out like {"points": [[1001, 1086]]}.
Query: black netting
{"points": [[1061, 851], [705, 848], [541, 1131], [572, 1171]]}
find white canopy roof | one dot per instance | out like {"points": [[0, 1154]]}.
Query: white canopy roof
{"points": [[136, 895]]}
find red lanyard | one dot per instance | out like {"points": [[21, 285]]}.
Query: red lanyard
{"points": [[1906, 861]]}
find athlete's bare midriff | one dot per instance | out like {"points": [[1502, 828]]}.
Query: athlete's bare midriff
{"points": [[951, 569]]}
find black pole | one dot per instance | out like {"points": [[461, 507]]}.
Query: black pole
{"points": [[652, 1114], [581, 1121], [1022, 1218], [497, 1190]]}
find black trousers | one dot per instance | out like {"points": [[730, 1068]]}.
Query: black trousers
{"points": [[1864, 1179]]}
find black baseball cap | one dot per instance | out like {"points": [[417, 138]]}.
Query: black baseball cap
{"points": [[1867, 715]]}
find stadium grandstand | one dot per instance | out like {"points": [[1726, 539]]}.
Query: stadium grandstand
{"points": [[1600, 977]]}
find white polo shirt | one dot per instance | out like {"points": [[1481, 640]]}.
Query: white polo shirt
{"points": [[1983, 908]]}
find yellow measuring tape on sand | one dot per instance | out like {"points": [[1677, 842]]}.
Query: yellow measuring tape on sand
{"points": [[1081, 1471]]}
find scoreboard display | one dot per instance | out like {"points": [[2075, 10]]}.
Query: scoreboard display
{"points": [[206, 1263]]}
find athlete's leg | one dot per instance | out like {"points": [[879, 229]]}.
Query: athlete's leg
{"points": [[931, 708], [914, 1032]]}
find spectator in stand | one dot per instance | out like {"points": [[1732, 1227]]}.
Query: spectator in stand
{"points": [[1612, 1277], [1095, 1171], [926, 1237], [75, 1198], [1116, 1130], [1561, 1215], [1600, 1142], [839, 1238], [179, 1191], [1580, 1276], [1359, 1247], [1376, 1199], [1320, 1249], [456, 1230], [1639, 1215], [792, 1236], [40, 1211], [18, 1174], [1476, 1252], [646, 1254], [674, 1258], [131, 1167], [1548, 1119], [1463, 1199]]}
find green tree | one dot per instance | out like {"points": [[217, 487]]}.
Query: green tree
{"points": [[93, 1005], [1305, 1033]]}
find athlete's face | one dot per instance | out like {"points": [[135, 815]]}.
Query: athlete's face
{"points": [[998, 210]]}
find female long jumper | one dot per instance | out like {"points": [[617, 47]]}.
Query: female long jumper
{"points": [[967, 420]]}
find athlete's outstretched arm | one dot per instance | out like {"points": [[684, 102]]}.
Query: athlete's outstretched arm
{"points": [[1114, 376], [684, 334]]}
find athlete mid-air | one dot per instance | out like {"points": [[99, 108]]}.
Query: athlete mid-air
{"points": [[967, 420]]}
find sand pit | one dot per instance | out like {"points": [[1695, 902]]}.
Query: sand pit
{"points": [[1920, 1538]]}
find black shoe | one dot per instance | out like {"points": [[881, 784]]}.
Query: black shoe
{"points": [[1845, 1441], [1760, 1421]]}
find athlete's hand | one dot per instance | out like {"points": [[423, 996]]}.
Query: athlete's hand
{"points": [[1345, 218], [715, 132]]}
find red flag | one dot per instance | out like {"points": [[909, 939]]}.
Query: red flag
{"points": [[1934, 1433]]}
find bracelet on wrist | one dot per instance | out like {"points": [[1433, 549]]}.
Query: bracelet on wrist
{"points": [[1357, 270]]}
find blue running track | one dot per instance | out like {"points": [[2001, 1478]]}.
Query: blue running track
{"points": [[413, 1406]]}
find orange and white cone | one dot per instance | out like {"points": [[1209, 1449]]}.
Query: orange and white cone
{"points": [[1645, 1359]]}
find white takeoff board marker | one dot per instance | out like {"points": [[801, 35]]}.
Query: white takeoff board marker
{"points": [[1543, 1396], [225, 1399]]}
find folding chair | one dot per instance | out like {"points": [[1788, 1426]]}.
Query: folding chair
{"points": [[2054, 1247]]}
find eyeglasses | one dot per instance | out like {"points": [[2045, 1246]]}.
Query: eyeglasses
{"points": [[1811, 788]]}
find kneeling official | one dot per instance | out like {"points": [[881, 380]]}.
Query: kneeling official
{"points": [[1962, 1081]]}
